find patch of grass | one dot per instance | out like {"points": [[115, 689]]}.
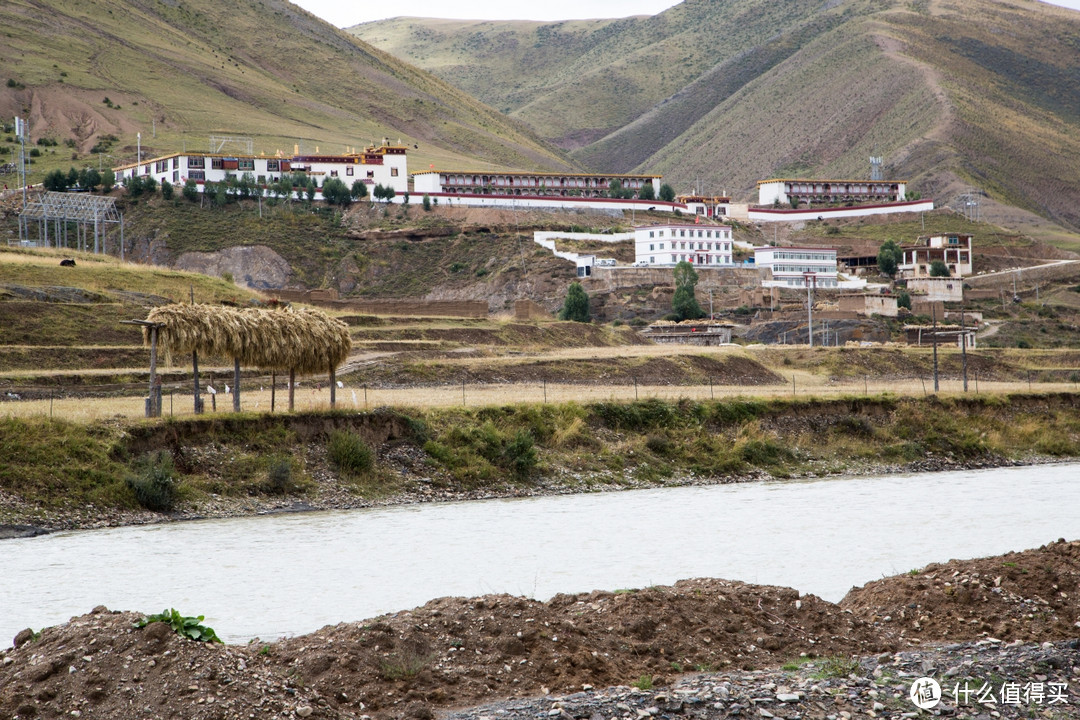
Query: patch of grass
{"points": [[645, 682], [836, 667], [405, 663]]}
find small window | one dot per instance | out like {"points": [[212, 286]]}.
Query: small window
{"points": [[196, 162], [393, 172], [217, 164], [371, 173], [246, 164], [349, 170], [196, 175], [333, 173], [273, 166], [176, 176]]}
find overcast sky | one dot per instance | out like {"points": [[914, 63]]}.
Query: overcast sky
{"points": [[345, 14]]}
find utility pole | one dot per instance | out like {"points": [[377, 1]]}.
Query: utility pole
{"points": [[963, 346], [933, 311], [809, 308]]}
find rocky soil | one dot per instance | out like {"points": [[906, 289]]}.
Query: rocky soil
{"points": [[702, 648]]}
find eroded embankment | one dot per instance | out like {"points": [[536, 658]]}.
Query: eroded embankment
{"points": [[454, 652], [57, 474]]}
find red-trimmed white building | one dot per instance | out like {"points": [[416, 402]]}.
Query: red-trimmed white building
{"points": [[667, 245], [384, 165], [706, 205], [783, 191]]}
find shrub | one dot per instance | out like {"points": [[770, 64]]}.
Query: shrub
{"points": [[519, 455], [155, 486], [190, 191], [279, 477], [576, 305], [166, 190], [349, 453]]}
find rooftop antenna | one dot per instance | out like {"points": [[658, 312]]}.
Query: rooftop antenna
{"points": [[875, 168]]}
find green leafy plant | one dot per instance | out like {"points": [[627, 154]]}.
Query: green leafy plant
{"points": [[645, 682], [836, 667], [183, 625]]}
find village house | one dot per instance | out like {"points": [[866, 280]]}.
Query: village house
{"points": [[954, 250], [944, 335], [384, 165], [667, 245], [797, 266], [937, 289], [690, 332], [709, 206], [868, 304]]}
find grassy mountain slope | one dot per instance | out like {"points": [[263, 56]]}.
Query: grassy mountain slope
{"points": [[953, 93], [180, 70]]}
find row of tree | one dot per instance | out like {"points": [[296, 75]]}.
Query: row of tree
{"points": [[87, 179], [616, 190]]}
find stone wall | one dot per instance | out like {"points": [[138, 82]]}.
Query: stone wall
{"points": [[529, 310], [415, 308]]}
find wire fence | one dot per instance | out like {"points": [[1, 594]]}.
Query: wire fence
{"points": [[178, 401]]}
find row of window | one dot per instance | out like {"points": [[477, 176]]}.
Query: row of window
{"points": [[697, 259], [822, 257], [804, 268], [726, 247], [682, 233], [819, 282], [534, 182]]}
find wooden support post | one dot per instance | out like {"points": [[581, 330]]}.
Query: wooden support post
{"points": [[152, 409], [333, 387], [273, 390], [236, 385], [195, 374], [292, 388]]}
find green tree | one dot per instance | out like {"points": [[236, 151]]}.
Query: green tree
{"points": [[335, 192], [72, 178], [149, 184], [166, 190], [190, 191], [56, 181], [889, 258], [359, 190], [576, 305], [388, 193], [903, 300], [667, 193], [427, 203], [683, 303], [647, 192], [134, 186], [108, 179], [311, 188], [89, 179], [938, 268]]}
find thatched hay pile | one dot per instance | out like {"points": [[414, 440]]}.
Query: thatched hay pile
{"points": [[307, 341]]}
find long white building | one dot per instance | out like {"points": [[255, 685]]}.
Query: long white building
{"points": [[785, 191], [529, 184], [666, 245], [384, 165], [795, 266]]}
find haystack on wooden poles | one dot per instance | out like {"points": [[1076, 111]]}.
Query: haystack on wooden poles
{"points": [[304, 341]]}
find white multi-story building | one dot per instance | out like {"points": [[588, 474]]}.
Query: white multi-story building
{"points": [[797, 266], [384, 165], [784, 191], [702, 245]]}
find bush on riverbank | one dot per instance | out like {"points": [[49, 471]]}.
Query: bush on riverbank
{"points": [[51, 470]]}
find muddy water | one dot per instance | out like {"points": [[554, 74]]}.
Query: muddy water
{"points": [[290, 574]]}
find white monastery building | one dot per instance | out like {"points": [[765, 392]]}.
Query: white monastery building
{"points": [[954, 250], [533, 184], [384, 165], [797, 266], [666, 245], [785, 191]]}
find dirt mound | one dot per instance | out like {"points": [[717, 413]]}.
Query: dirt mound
{"points": [[1029, 596], [452, 651], [101, 666]]}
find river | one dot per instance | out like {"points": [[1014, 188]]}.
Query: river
{"points": [[289, 574]]}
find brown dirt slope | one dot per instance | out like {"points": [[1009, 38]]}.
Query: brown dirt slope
{"points": [[1029, 596]]}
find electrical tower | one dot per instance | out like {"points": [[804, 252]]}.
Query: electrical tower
{"points": [[875, 168], [969, 205]]}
